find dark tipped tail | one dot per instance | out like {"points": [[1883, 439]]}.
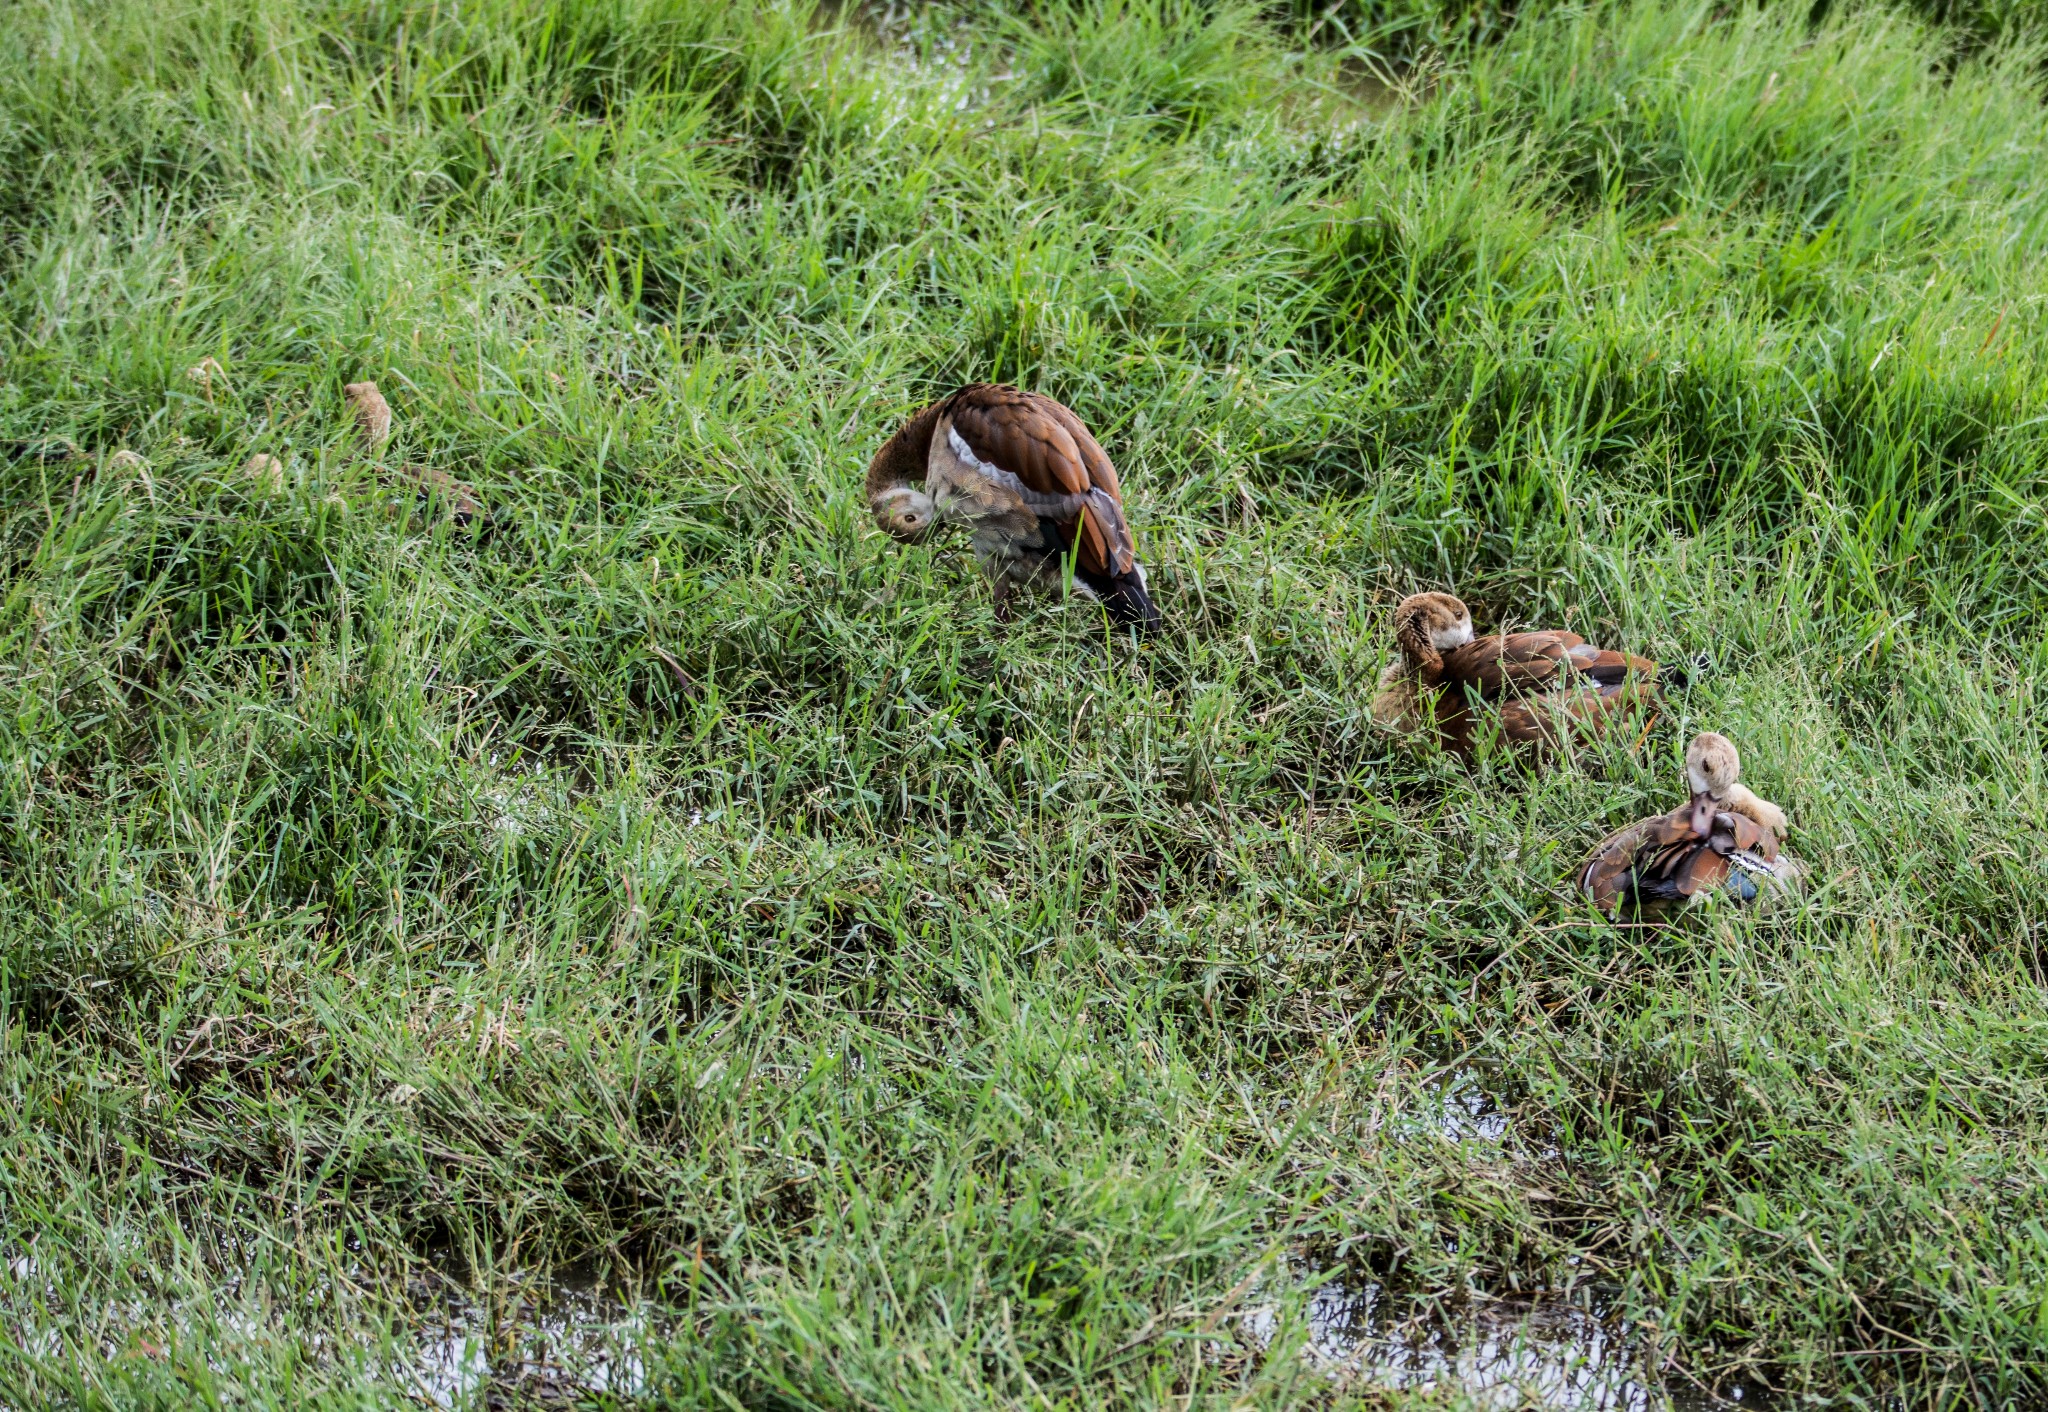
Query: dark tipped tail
{"points": [[1677, 676], [1129, 604]]}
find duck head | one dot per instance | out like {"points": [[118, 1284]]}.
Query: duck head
{"points": [[1427, 625], [895, 481], [904, 512], [1711, 767]]}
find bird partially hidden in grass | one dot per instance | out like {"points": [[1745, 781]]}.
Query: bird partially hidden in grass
{"points": [[1723, 842], [1030, 483], [1537, 689], [373, 416], [373, 413]]}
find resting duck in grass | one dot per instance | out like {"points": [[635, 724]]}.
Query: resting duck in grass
{"points": [[1532, 685], [1033, 487], [1723, 841]]}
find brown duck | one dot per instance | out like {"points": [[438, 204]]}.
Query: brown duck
{"points": [[1724, 841], [1029, 482], [1538, 688]]}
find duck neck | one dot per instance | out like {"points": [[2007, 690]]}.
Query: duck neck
{"points": [[906, 456]]}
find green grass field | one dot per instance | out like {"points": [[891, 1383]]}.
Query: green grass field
{"points": [[919, 1015]]}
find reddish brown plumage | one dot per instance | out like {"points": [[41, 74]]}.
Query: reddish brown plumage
{"points": [[905, 456], [1541, 688], [1046, 447], [1033, 484], [1534, 689], [1668, 860]]}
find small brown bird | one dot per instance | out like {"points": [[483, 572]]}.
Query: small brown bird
{"points": [[1542, 688], [1030, 483], [373, 413], [460, 498], [1724, 840]]}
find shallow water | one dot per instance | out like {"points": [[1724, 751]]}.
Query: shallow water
{"points": [[1457, 1108], [566, 1336], [1506, 1354], [527, 1341], [532, 1340]]}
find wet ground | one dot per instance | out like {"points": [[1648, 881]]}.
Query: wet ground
{"points": [[556, 1339], [534, 1341], [1505, 1354], [1537, 1352], [570, 1338], [551, 1341]]}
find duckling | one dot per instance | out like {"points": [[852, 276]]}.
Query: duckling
{"points": [[373, 413], [1531, 683], [1723, 839], [1022, 473]]}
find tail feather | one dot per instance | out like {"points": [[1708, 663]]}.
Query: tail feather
{"points": [[1677, 676], [1128, 602]]}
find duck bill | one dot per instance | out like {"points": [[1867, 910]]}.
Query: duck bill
{"points": [[1702, 813]]}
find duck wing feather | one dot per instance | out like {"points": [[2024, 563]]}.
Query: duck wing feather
{"points": [[1644, 858], [1517, 663], [1064, 473]]}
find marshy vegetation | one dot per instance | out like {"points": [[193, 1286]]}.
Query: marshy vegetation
{"points": [[664, 872]]}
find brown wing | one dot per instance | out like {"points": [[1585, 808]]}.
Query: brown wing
{"points": [[1734, 831], [1033, 438], [1528, 723], [1601, 874], [1654, 849], [1462, 723], [1701, 869], [1497, 666], [1100, 472], [1592, 708]]}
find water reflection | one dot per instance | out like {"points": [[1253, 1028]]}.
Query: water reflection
{"points": [[567, 1338], [1496, 1354], [1456, 1108], [521, 1341]]}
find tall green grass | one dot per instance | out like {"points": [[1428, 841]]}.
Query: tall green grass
{"points": [[938, 1016]]}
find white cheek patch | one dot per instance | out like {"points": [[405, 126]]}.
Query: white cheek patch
{"points": [[1457, 635], [1697, 780]]}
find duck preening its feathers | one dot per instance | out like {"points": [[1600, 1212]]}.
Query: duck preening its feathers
{"points": [[1030, 483], [1723, 841], [1539, 688]]}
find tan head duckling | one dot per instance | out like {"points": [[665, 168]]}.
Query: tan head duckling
{"points": [[1539, 689], [373, 413], [1717, 843], [1713, 769], [1030, 483]]}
